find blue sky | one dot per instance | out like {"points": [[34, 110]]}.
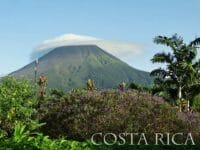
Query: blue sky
{"points": [[24, 24]]}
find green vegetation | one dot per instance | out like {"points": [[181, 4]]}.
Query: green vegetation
{"points": [[19, 124], [23, 139], [90, 85], [180, 79], [79, 114], [196, 102], [17, 103]]}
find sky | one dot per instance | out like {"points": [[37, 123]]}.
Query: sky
{"points": [[25, 25]]}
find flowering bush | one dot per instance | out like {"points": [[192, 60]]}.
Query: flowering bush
{"points": [[79, 114]]}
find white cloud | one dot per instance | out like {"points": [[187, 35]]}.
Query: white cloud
{"points": [[120, 49]]}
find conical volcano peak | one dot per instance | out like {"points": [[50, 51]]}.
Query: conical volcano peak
{"points": [[69, 67]]}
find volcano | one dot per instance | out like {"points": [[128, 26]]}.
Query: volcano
{"points": [[69, 67]]}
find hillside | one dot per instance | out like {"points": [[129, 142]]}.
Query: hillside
{"points": [[70, 66]]}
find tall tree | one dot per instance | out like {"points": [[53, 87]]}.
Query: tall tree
{"points": [[181, 72]]}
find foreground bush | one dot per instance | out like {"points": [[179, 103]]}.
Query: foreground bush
{"points": [[17, 102], [196, 102], [79, 114], [26, 139], [23, 139], [19, 128]]}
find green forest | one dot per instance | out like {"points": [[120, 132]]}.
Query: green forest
{"points": [[33, 116]]}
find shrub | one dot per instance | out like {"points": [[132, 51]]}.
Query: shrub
{"points": [[26, 139], [17, 102], [78, 115], [196, 102], [56, 93]]}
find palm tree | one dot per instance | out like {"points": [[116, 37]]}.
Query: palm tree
{"points": [[182, 69]]}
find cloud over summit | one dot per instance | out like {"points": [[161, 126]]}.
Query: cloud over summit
{"points": [[120, 49]]}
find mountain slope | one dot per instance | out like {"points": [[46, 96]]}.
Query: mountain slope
{"points": [[70, 66]]}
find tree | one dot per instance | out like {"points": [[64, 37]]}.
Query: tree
{"points": [[135, 86], [42, 82], [181, 73], [90, 85]]}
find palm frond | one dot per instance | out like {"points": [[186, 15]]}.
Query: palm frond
{"points": [[195, 42], [162, 58], [169, 81], [197, 64], [159, 72], [173, 42], [158, 80], [163, 40]]}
